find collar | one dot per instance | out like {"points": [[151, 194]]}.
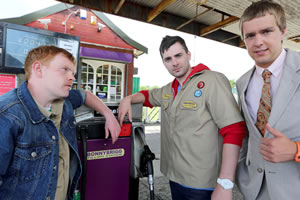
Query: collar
{"points": [[43, 110], [31, 106], [26, 99], [198, 68], [275, 67]]}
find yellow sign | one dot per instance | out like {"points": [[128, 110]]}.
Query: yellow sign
{"points": [[110, 153]]}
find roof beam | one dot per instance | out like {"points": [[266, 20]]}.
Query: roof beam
{"points": [[295, 38], [242, 44], [218, 25], [231, 38], [193, 19], [119, 6], [158, 9]]}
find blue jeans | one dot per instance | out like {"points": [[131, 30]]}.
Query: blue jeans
{"points": [[180, 192]]}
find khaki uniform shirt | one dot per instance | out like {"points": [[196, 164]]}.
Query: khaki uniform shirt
{"points": [[191, 146], [64, 151]]}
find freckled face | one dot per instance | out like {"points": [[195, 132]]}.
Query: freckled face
{"points": [[58, 77]]}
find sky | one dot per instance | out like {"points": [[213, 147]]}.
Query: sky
{"points": [[229, 60]]}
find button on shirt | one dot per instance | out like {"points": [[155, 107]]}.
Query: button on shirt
{"points": [[64, 151], [256, 83]]}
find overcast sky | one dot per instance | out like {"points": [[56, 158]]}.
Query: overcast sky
{"points": [[232, 61]]}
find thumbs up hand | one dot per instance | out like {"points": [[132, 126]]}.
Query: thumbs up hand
{"points": [[279, 148]]}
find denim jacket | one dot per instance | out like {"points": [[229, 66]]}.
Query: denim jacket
{"points": [[29, 146]]}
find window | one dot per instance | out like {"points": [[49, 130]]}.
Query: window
{"points": [[104, 79]]}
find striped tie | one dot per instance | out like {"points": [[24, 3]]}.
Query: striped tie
{"points": [[265, 105]]}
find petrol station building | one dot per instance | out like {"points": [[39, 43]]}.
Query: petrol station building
{"points": [[105, 53], [105, 66]]}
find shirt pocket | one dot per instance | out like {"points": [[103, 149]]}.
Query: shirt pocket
{"points": [[165, 105], [31, 162]]}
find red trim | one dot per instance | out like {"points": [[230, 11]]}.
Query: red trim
{"points": [[234, 133], [175, 85], [200, 67], [125, 130], [146, 94]]}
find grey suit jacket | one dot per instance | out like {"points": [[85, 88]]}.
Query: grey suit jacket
{"points": [[283, 179]]}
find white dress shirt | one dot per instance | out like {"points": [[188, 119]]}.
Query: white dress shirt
{"points": [[256, 83]]}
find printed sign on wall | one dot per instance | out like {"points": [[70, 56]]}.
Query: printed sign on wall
{"points": [[7, 82]]}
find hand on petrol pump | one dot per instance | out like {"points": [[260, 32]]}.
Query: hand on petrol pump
{"points": [[112, 126], [124, 108], [279, 148]]}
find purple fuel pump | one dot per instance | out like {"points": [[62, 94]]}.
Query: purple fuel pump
{"points": [[106, 166], [112, 171]]}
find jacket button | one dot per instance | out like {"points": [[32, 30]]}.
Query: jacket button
{"points": [[33, 154], [48, 198], [260, 170], [53, 137], [54, 168]]}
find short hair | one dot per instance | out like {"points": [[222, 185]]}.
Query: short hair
{"points": [[260, 8], [44, 54], [168, 41]]}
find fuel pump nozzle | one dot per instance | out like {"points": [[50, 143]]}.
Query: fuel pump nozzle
{"points": [[147, 168]]}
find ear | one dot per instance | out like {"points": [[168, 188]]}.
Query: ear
{"points": [[283, 33], [37, 68], [190, 55]]}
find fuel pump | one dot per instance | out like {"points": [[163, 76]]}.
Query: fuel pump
{"points": [[141, 160], [147, 168], [111, 167]]}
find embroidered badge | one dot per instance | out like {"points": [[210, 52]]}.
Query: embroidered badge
{"points": [[201, 85], [166, 96], [189, 104], [198, 93]]}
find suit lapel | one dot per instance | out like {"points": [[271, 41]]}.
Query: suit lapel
{"points": [[243, 89], [289, 83]]}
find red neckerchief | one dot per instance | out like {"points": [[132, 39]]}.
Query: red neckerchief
{"points": [[175, 83]]}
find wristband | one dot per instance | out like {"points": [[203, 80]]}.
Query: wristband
{"points": [[297, 156]]}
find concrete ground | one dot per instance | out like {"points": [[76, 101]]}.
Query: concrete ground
{"points": [[161, 184]]}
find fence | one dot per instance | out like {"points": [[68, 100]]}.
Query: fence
{"points": [[151, 115]]}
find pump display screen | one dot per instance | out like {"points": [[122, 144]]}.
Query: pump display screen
{"points": [[19, 43]]}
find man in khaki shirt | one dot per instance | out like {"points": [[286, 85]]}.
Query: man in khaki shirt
{"points": [[54, 112], [201, 127]]}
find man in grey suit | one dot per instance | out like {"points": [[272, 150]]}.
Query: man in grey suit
{"points": [[269, 166]]}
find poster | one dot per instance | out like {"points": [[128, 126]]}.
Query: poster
{"points": [[7, 82]]}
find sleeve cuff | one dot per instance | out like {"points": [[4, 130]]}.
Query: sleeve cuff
{"points": [[234, 133], [146, 102]]}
